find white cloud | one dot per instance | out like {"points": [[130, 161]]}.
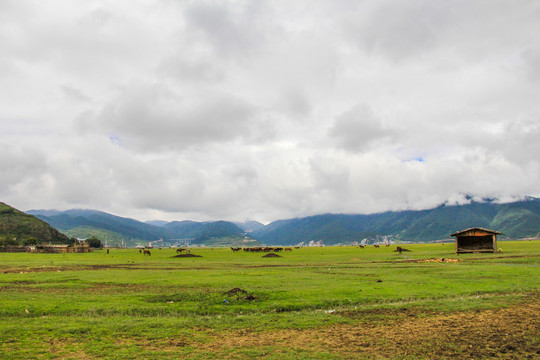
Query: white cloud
{"points": [[266, 110], [358, 128]]}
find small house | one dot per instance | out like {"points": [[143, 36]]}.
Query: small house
{"points": [[476, 240]]}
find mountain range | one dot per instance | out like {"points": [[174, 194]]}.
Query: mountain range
{"points": [[515, 220], [113, 229]]}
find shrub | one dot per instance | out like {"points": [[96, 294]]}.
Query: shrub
{"points": [[93, 242]]}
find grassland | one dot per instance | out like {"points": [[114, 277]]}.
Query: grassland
{"points": [[311, 303]]}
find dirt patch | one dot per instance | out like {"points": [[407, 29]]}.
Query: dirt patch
{"points": [[238, 293], [235, 291], [502, 257], [86, 268], [271, 255], [186, 256], [510, 333], [437, 260]]}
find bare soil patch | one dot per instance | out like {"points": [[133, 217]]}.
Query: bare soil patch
{"points": [[437, 260], [240, 294], [98, 267], [235, 291], [271, 255], [186, 256], [509, 333]]}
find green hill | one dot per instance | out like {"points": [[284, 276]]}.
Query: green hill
{"points": [[18, 226]]}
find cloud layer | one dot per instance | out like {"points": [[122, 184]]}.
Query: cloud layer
{"points": [[266, 110]]}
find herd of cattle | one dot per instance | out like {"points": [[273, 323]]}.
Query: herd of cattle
{"points": [[261, 249]]}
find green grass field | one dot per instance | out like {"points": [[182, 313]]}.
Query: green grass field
{"points": [[126, 305]]}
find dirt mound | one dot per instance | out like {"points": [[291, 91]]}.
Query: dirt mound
{"points": [[271, 255], [400, 250], [235, 291], [187, 255]]}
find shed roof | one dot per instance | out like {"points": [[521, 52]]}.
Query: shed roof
{"points": [[493, 232]]}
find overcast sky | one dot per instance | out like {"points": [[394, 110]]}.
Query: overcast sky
{"points": [[266, 110]]}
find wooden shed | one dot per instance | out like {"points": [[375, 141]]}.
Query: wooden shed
{"points": [[476, 240]]}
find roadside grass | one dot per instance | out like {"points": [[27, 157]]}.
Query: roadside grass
{"points": [[126, 305]]}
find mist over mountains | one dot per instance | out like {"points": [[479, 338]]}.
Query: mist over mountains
{"points": [[515, 220]]}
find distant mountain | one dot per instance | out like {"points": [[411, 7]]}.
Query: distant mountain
{"points": [[16, 225], [515, 220], [218, 229], [156, 222], [126, 228], [85, 223], [184, 229], [201, 231], [249, 225]]}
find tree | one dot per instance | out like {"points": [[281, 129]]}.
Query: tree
{"points": [[8, 240], [93, 242], [30, 241]]}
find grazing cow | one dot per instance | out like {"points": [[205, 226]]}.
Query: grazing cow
{"points": [[376, 246], [361, 246], [187, 251], [147, 252], [288, 249]]}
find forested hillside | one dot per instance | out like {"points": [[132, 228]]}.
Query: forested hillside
{"points": [[18, 227], [515, 220], [85, 223]]}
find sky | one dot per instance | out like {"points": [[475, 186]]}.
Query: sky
{"points": [[267, 110]]}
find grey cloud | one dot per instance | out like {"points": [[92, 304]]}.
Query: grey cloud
{"points": [[357, 129], [531, 59], [241, 175], [18, 164], [412, 29], [75, 93], [399, 30], [296, 102], [192, 70], [153, 117], [330, 175], [520, 141], [232, 31]]}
